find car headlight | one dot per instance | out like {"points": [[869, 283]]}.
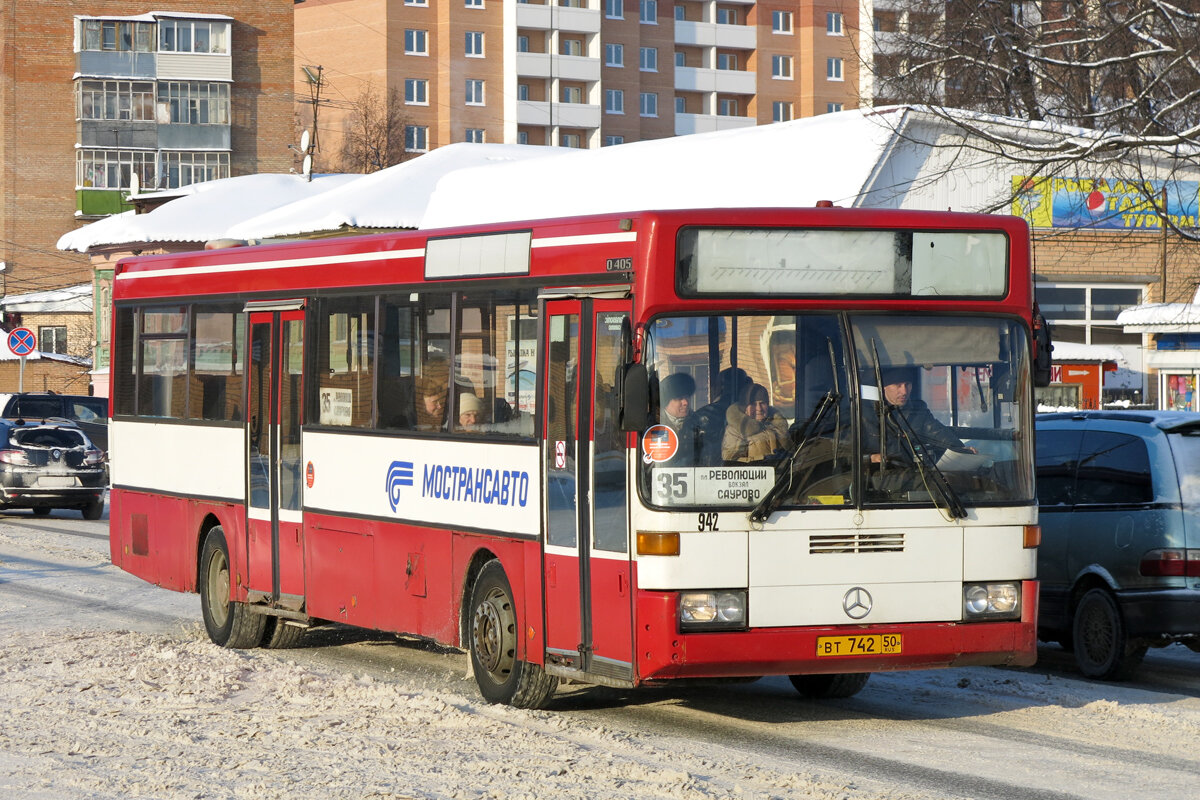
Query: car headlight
{"points": [[991, 601], [712, 610]]}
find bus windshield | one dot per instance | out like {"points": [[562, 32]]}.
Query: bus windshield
{"points": [[838, 410]]}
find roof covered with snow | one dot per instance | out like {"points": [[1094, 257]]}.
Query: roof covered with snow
{"points": [[1078, 353], [55, 301], [1160, 316]]}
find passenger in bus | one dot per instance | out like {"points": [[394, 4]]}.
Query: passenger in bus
{"points": [[709, 421], [675, 400], [754, 429], [931, 434], [470, 412], [431, 410]]}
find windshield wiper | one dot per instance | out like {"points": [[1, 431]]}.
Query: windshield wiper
{"points": [[800, 438], [926, 466]]}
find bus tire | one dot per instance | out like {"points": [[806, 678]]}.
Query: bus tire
{"points": [[278, 635], [494, 638], [229, 624], [826, 687], [1102, 646]]}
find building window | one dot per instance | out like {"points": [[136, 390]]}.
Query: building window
{"points": [[416, 138], [193, 103], [571, 47], [184, 168], [522, 44], [112, 169], [1088, 314], [727, 107], [833, 108], [52, 339], [833, 23], [833, 69], [727, 16], [648, 12], [188, 36], [570, 140], [416, 2], [119, 35], [609, 141], [680, 58], [522, 137], [474, 92], [416, 42], [614, 101], [727, 61], [572, 94], [416, 92], [614, 9], [648, 104], [648, 59], [781, 111], [474, 44], [116, 100], [522, 91], [680, 13], [781, 67], [781, 22], [475, 135], [614, 55], [473, 4]]}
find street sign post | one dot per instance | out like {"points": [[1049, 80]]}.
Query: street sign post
{"points": [[22, 342]]}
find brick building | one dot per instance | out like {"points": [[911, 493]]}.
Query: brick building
{"points": [[574, 73], [94, 93]]}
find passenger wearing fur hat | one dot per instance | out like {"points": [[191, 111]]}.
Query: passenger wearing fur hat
{"points": [[470, 411]]}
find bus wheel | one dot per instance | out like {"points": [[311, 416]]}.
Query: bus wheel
{"points": [[495, 631], [229, 624], [1102, 647], [93, 510], [278, 635], [824, 687]]}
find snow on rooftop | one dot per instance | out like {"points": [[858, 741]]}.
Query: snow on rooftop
{"points": [[207, 212], [1077, 352], [1159, 315], [788, 164], [65, 300], [390, 198]]}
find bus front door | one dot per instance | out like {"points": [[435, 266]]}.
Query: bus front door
{"points": [[587, 568], [274, 530]]}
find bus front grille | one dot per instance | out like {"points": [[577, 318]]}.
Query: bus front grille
{"points": [[820, 543]]}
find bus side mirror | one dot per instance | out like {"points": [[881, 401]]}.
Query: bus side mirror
{"points": [[635, 398], [1042, 349]]}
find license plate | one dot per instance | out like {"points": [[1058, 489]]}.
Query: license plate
{"points": [[57, 481], [875, 644]]}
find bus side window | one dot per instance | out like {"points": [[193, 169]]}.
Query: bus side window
{"points": [[345, 361], [397, 370]]}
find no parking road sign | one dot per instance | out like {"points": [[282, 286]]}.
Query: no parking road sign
{"points": [[22, 341]]}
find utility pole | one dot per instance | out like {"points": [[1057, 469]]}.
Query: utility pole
{"points": [[314, 74]]}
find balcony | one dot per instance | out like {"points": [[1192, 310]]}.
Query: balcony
{"points": [[707, 123], [725, 81], [548, 17], [710, 34], [548, 65], [564, 115]]}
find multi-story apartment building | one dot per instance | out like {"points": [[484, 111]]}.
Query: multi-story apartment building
{"points": [[576, 73], [93, 93]]}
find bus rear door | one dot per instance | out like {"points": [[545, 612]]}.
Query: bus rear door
{"points": [[587, 569], [274, 531]]}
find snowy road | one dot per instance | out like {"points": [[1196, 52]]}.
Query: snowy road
{"points": [[109, 689]]}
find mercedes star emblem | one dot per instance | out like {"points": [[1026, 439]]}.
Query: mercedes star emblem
{"points": [[857, 603]]}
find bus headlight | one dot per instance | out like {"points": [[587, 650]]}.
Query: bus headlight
{"points": [[991, 601], [715, 610]]}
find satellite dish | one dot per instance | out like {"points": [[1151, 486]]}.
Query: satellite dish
{"points": [[306, 168], [304, 140], [135, 184]]}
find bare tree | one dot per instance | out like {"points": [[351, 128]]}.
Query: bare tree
{"points": [[373, 131]]}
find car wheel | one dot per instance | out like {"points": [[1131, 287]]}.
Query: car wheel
{"points": [[278, 635], [824, 687], [229, 624], [1102, 647], [93, 510], [41, 511], [500, 675]]}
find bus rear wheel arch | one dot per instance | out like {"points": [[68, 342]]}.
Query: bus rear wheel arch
{"points": [[493, 642], [830, 686], [229, 623]]}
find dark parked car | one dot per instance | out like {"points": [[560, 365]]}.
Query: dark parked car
{"points": [[90, 413], [1119, 563], [48, 465]]}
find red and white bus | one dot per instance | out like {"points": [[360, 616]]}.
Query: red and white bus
{"points": [[466, 435]]}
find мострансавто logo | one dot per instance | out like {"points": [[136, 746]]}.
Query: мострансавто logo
{"points": [[456, 483], [400, 473]]}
